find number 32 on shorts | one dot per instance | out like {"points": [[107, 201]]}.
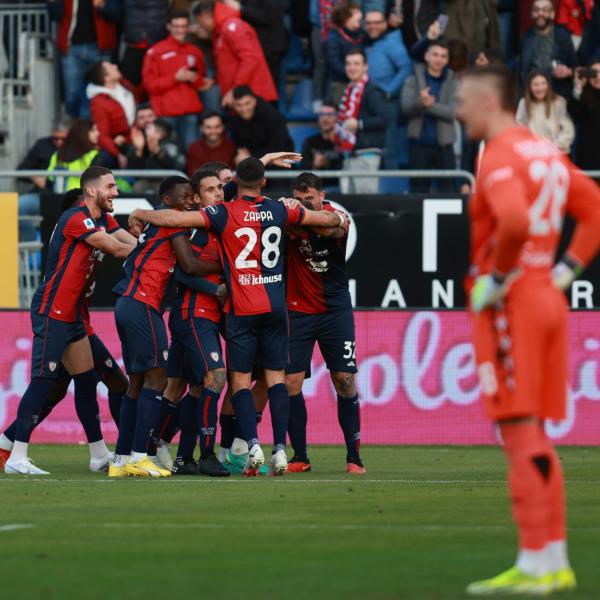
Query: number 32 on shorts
{"points": [[349, 350]]}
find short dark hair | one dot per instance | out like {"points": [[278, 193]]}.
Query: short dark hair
{"points": [[167, 185], [504, 82], [199, 175], [216, 166], [143, 106], [95, 74], [242, 90], [164, 125], [250, 172], [70, 199], [178, 14], [354, 51], [331, 104], [342, 12], [440, 43], [307, 180], [202, 6], [92, 173], [210, 114]]}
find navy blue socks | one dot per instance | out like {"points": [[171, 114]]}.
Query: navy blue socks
{"points": [[127, 416], [189, 427], [297, 426], [279, 405], [207, 420], [245, 413], [28, 413], [147, 415], [349, 419], [228, 427], [114, 405], [86, 404]]}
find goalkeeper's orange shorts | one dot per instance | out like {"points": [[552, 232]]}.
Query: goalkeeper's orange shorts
{"points": [[521, 353]]}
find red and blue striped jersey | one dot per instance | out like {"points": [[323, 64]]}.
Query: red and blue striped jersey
{"points": [[317, 281], [148, 269], [252, 243], [71, 264], [189, 302]]}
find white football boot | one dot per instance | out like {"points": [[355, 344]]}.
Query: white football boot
{"points": [[256, 457], [163, 457], [23, 466], [98, 465], [279, 462]]}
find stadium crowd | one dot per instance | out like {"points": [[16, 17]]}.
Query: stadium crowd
{"points": [[155, 84]]}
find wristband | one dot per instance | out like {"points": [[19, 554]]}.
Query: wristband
{"points": [[342, 220], [573, 264]]}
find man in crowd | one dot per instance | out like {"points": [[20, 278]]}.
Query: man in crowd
{"points": [[320, 310], [144, 115], [257, 127], [429, 102], [389, 66], [173, 74], [239, 59], [548, 48], [318, 151], [362, 121], [214, 145], [86, 34], [112, 104]]}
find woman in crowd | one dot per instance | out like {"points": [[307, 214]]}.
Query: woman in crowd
{"points": [[584, 107], [345, 35], [79, 151], [545, 112]]}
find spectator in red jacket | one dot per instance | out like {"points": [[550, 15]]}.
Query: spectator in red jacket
{"points": [[213, 146], [574, 14], [173, 74], [239, 58], [112, 104], [86, 34]]}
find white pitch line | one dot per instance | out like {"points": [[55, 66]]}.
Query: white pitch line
{"points": [[15, 526]]}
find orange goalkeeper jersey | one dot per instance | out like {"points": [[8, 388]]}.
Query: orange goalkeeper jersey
{"points": [[525, 185]]}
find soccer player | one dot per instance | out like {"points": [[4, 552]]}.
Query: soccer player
{"points": [[105, 365], [142, 331], [251, 234], [524, 187], [59, 334], [196, 344], [320, 311]]}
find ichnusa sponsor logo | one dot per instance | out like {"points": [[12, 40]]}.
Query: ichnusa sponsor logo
{"points": [[259, 279]]}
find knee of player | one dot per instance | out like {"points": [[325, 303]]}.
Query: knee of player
{"points": [[344, 384], [156, 379], [294, 383], [216, 380], [117, 383]]}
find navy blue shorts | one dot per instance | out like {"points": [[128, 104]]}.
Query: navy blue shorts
{"points": [[143, 336], [50, 339], [264, 336], [104, 363], [195, 348], [334, 332]]}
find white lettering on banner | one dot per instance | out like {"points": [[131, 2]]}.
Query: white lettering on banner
{"points": [[393, 293], [582, 290], [431, 210], [443, 294], [387, 380]]}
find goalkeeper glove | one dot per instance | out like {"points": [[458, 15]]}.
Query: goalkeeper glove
{"points": [[565, 272], [488, 289]]}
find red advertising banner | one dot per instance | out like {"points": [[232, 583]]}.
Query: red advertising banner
{"points": [[416, 381]]}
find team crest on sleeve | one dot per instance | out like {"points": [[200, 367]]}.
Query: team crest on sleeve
{"points": [[213, 210], [89, 223], [109, 363], [52, 366], [214, 356], [166, 354]]}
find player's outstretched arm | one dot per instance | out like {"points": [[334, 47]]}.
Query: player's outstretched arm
{"points": [[280, 159], [189, 263], [199, 284], [124, 237], [167, 218], [336, 233], [322, 218], [109, 244]]}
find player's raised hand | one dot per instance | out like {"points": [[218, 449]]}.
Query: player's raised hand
{"points": [[135, 223], [222, 293], [281, 159], [290, 202]]}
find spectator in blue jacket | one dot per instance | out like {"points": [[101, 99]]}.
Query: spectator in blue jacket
{"points": [[345, 35], [548, 48], [389, 66]]}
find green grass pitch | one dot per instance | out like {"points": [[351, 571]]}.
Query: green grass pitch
{"points": [[422, 524]]}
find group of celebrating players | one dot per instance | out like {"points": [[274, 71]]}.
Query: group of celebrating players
{"points": [[238, 266], [228, 259]]}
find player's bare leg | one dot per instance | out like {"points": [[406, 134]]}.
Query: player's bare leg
{"points": [[300, 462], [279, 406], [349, 419]]}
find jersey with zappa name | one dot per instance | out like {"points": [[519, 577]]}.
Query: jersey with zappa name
{"points": [[71, 264], [522, 174], [192, 303], [148, 269], [252, 241], [317, 281]]}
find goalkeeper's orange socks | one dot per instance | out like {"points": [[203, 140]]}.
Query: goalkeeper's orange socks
{"points": [[537, 493]]}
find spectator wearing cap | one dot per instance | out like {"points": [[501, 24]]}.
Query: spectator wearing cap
{"points": [[239, 58], [86, 34], [429, 102], [345, 35], [389, 66], [257, 128], [361, 124], [548, 48], [144, 24], [213, 146], [112, 104], [173, 74]]}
